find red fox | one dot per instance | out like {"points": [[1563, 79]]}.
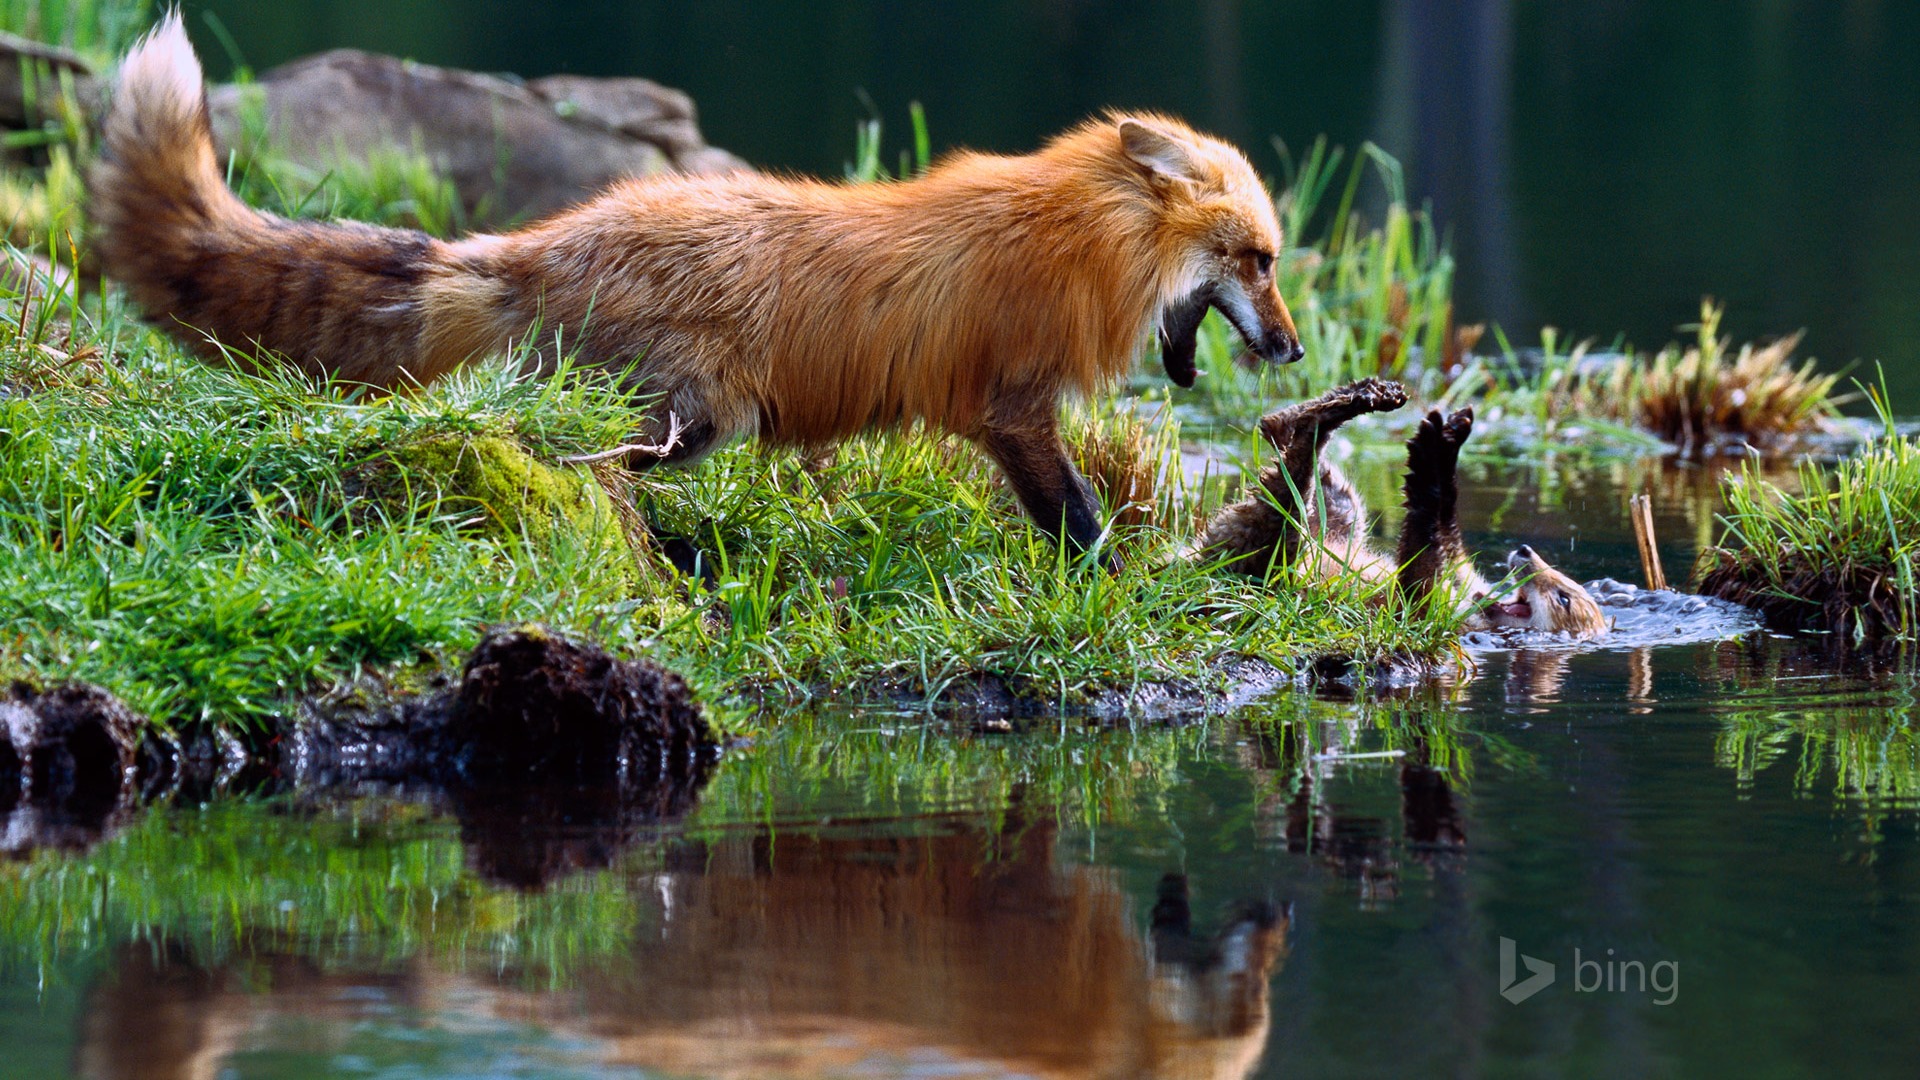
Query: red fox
{"points": [[1310, 502], [970, 299]]}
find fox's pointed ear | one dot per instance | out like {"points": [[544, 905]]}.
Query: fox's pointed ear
{"points": [[1162, 153]]}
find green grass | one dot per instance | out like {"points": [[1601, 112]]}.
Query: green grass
{"points": [[98, 30], [209, 544], [205, 543], [1842, 556]]}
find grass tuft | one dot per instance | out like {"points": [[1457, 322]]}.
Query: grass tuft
{"points": [[1839, 557], [1129, 464], [98, 30]]}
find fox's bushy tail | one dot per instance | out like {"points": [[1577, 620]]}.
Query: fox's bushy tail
{"points": [[386, 307]]}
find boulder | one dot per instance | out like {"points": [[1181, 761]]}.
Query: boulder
{"points": [[511, 149], [34, 78]]}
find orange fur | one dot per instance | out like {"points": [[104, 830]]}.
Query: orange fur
{"points": [[970, 299]]}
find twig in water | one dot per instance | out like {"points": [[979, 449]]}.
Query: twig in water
{"points": [[1640, 510]]}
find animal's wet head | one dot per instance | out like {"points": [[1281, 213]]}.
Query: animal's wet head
{"points": [[1546, 600]]}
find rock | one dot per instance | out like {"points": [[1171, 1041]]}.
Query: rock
{"points": [[513, 149], [638, 108], [34, 78]]}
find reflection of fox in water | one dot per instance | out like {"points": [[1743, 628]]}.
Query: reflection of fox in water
{"points": [[970, 299], [973, 951], [1308, 502]]}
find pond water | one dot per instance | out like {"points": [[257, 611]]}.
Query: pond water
{"points": [[1712, 844], [1675, 852], [1599, 166]]}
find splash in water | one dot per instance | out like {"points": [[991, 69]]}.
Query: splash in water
{"points": [[1639, 617]]}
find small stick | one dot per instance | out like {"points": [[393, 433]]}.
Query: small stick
{"points": [[660, 449], [1640, 510]]}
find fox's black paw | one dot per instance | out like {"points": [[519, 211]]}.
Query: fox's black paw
{"points": [[1430, 435], [1373, 395], [1437, 442], [1318, 418]]}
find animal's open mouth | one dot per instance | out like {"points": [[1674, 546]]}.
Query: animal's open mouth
{"points": [[1518, 609], [1180, 337]]}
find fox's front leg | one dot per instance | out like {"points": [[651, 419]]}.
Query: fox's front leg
{"points": [[1053, 492]]}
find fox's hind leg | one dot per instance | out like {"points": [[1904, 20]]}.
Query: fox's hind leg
{"points": [[684, 423], [1305, 496], [1300, 432], [1430, 544]]}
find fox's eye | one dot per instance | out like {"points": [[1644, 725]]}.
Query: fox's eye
{"points": [[1566, 601], [1264, 261]]}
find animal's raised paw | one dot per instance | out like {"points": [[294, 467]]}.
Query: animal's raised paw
{"points": [[1431, 432], [1439, 436], [1376, 395]]}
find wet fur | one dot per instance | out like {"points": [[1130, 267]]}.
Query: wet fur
{"points": [[971, 299], [1309, 508]]}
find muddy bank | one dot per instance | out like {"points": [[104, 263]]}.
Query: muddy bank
{"points": [[1855, 603], [537, 731]]}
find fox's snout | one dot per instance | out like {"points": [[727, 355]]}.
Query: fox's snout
{"points": [[1264, 324], [1277, 341], [1277, 346]]}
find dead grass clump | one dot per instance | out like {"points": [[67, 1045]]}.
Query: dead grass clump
{"points": [[1123, 461], [1707, 399]]}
